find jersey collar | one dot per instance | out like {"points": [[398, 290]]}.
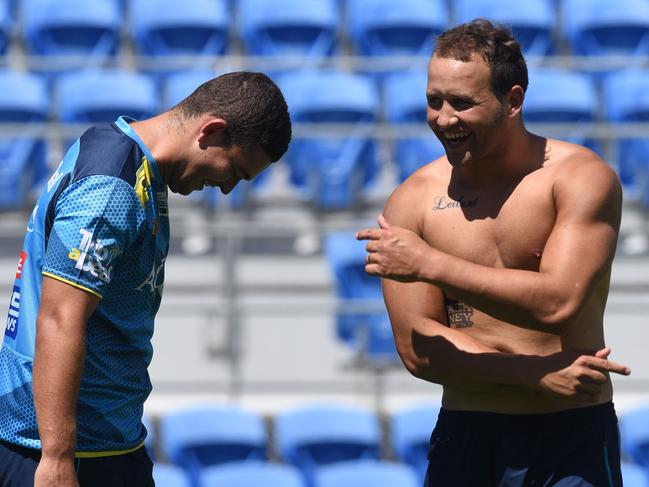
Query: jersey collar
{"points": [[123, 123]]}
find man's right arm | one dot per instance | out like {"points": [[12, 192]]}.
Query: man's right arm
{"points": [[58, 367]]}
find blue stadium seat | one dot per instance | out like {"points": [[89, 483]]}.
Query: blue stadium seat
{"points": [[101, 96], [532, 21], [602, 27], [369, 332], [150, 440], [200, 437], [23, 99], [366, 474], [169, 476], [190, 28], [562, 96], [310, 437], [634, 475], [87, 31], [626, 97], [405, 102], [331, 172], [304, 28], [6, 20], [634, 435], [410, 432], [388, 28], [251, 474]]}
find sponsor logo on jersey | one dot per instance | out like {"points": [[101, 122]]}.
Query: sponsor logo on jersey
{"points": [[14, 309], [55, 178], [93, 257], [21, 263], [163, 203], [154, 281]]}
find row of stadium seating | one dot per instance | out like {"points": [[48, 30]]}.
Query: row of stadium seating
{"points": [[311, 439], [329, 172], [314, 27]]}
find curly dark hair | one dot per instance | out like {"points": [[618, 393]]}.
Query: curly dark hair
{"points": [[495, 44], [252, 105]]}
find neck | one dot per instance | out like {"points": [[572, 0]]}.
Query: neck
{"points": [[156, 133]]}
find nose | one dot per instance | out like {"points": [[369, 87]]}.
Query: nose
{"points": [[445, 117], [228, 186]]}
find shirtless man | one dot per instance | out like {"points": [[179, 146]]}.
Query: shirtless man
{"points": [[496, 262]]}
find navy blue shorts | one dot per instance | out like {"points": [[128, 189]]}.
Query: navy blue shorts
{"points": [[17, 467], [574, 448]]}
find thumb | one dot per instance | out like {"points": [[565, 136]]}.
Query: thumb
{"points": [[603, 353], [383, 223]]}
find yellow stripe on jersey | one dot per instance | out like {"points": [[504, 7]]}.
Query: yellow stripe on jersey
{"points": [[143, 181], [97, 454], [83, 288]]}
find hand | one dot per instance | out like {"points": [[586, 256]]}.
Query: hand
{"points": [[55, 473], [393, 252], [583, 377]]}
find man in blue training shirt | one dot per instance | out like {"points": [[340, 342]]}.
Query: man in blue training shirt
{"points": [[73, 365]]}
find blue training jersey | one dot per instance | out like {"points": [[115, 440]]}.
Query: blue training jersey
{"points": [[100, 225]]}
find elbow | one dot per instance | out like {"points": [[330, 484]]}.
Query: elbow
{"points": [[559, 316]]}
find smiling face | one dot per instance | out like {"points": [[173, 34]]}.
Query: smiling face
{"points": [[213, 162], [463, 112]]}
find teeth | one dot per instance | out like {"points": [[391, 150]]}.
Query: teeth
{"points": [[455, 136]]}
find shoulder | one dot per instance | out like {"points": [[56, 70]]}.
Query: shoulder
{"points": [[405, 205]]}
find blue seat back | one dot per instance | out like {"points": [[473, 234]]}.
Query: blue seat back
{"points": [[169, 476], [23, 99], [410, 433], [366, 474], [6, 20], [405, 102], [634, 476], [387, 28], [600, 27], [332, 171], [289, 28], [88, 28], [187, 28], [367, 332], [310, 437], [634, 435], [101, 96], [250, 474], [532, 21]]}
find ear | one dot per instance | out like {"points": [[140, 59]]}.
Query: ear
{"points": [[514, 102], [212, 131]]}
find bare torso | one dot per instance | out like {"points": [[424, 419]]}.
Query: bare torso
{"points": [[505, 228]]}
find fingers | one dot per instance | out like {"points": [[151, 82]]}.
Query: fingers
{"points": [[368, 234], [605, 365], [603, 353]]}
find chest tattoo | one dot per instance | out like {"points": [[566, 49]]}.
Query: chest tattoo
{"points": [[459, 314], [445, 203]]}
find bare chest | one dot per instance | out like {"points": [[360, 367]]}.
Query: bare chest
{"points": [[497, 229]]}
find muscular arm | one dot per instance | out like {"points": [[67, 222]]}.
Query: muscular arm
{"points": [[58, 366], [578, 252]]}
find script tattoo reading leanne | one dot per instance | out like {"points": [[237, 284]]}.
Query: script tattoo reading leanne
{"points": [[445, 203]]}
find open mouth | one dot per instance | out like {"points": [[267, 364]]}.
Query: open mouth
{"points": [[455, 140]]}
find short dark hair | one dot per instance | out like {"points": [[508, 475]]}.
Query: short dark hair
{"points": [[495, 44], [251, 104]]}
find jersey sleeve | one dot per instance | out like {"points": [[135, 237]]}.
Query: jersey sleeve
{"points": [[96, 220]]}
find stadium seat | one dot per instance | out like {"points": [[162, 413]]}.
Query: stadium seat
{"points": [[388, 28], [366, 473], [532, 21], [6, 20], [76, 33], [191, 29], [102, 96], [251, 474], [150, 441], [310, 437], [369, 332], [331, 172], [305, 28], [200, 437], [405, 102], [602, 27], [562, 96], [169, 476], [410, 434], [634, 475], [626, 97], [634, 435], [23, 99]]}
